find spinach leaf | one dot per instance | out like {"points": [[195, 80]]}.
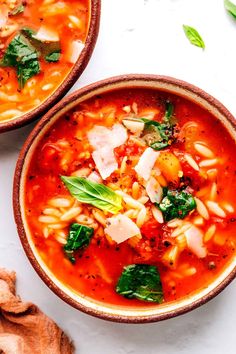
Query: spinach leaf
{"points": [[79, 238], [18, 10], [140, 281], [160, 135], [230, 7], [193, 36], [93, 193], [176, 204], [53, 57], [21, 55]]}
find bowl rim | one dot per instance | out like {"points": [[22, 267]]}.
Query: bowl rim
{"points": [[71, 78], [104, 84]]}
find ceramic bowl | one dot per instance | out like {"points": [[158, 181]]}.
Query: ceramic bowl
{"points": [[69, 81], [88, 305]]}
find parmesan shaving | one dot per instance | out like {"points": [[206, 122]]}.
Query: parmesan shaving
{"points": [[75, 51], [146, 163], [104, 140], [105, 161], [154, 190], [46, 34], [120, 228], [194, 238]]}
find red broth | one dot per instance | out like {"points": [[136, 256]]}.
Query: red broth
{"points": [[66, 150], [67, 19]]}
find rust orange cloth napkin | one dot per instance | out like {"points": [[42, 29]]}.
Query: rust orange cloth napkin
{"points": [[24, 329]]}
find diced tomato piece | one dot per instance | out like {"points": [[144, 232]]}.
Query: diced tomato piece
{"points": [[129, 149]]}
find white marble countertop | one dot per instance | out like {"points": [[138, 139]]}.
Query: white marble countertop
{"points": [[139, 36]]}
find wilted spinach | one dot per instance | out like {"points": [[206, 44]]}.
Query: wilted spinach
{"points": [[160, 135], [140, 281], [176, 204], [21, 55], [79, 238]]}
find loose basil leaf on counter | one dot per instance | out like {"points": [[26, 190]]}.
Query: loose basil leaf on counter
{"points": [[142, 282], [160, 135], [93, 193], [21, 55], [79, 238], [176, 204], [193, 36], [18, 10], [230, 7]]}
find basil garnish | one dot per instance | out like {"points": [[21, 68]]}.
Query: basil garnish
{"points": [[193, 36], [93, 193], [230, 7], [21, 55]]}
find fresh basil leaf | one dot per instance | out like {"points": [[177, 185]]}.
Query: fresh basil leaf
{"points": [[18, 10], [53, 57], [160, 135], [93, 193], [230, 7], [21, 55], [193, 36], [79, 238], [140, 281], [176, 204]]}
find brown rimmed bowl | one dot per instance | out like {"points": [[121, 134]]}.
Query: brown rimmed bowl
{"points": [[79, 301], [71, 78]]}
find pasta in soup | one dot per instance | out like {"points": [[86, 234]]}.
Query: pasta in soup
{"points": [[40, 41], [127, 201]]}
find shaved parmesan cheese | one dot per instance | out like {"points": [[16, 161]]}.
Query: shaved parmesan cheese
{"points": [[75, 51], [118, 136], [146, 163], [120, 228], [46, 34], [100, 136], [94, 177], [154, 190], [104, 140], [194, 238], [134, 126], [105, 161]]}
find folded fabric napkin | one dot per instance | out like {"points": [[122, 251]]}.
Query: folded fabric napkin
{"points": [[24, 329]]}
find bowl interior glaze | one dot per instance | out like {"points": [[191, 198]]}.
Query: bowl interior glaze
{"points": [[79, 301]]}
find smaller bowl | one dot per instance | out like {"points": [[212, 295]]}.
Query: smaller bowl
{"points": [[71, 78], [92, 307]]}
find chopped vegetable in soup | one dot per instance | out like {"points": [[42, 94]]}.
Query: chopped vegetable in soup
{"points": [[130, 198], [40, 41]]}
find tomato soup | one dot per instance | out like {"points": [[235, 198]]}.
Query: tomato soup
{"points": [[130, 198], [40, 41]]}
